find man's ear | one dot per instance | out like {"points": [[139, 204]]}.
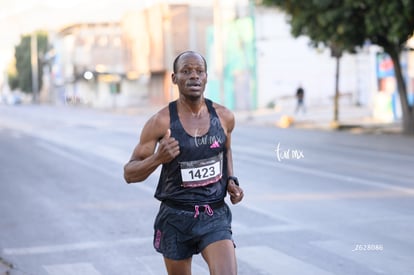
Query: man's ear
{"points": [[173, 78]]}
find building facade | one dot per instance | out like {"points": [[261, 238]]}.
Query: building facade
{"points": [[254, 62], [155, 35], [88, 66]]}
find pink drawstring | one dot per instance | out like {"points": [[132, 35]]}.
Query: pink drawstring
{"points": [[207, 209], [196, 211]]}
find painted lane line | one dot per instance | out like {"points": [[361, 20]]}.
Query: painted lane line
{"points": [[83, 162], [270, 261], [71, 269], [75, 246], [330, 175]]}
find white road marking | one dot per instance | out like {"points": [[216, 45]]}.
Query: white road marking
{"points": [[72, 157], [61, 248], [16, 135], [270, 261], [245, 229], [75, 246], [150, 264], [71, 269], [323, 174]]}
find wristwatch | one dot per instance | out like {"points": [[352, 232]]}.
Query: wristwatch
{"points": [[235, 179]]}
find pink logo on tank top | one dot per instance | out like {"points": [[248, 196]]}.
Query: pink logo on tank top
{"points": [[215, 144]]}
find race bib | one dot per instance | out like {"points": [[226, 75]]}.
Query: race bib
{"points": [[202, 172]]}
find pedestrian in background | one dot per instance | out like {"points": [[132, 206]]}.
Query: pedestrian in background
{"points": [[300, 97], [191, 139]]}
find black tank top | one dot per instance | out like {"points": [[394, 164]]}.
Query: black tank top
{"points": [[198, 174]]}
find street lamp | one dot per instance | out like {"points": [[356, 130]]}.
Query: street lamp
{"points": [[88, 75]]}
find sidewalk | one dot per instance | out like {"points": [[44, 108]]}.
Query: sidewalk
{"points": [[357, 119], [354, 118]]}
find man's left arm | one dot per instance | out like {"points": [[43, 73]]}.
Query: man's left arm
{"points": [[234, 190]]}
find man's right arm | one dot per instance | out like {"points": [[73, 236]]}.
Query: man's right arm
{"points": [[138, 169], [143, 160]]}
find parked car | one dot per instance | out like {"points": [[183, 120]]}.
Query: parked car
{"points": [[13, 99]]}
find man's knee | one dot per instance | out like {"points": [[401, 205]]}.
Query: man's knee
{"points": [[220, 257]]}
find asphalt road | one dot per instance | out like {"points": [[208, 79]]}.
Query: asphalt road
{"points": [[316, 202]]}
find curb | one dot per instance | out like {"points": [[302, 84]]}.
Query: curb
{"points": [[354, 125]]}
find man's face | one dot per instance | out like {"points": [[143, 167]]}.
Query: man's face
{"points": [[191, 75]]}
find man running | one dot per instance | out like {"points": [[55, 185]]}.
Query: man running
{"points": [[191, 139]]}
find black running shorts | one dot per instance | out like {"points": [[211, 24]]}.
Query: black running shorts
{"points": [[179, 234]]}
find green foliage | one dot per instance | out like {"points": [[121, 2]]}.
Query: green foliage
{"points": [[13, 81], [350, 23], [346, 25], [23, 77]]}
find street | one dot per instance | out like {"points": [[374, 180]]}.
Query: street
{"points": [[316, 202]]}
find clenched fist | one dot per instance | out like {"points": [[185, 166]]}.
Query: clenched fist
{"points": [[168, 148], [235, 192]]}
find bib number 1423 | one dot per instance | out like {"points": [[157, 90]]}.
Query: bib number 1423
{"points": [[201, 172]]}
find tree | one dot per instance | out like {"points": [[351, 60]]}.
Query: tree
{"points": [[346, 25], [21, 77], [13, 81]]}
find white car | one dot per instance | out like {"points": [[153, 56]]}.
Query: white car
{"points": [[13, 99]]}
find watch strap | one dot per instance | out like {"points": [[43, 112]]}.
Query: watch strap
{"points": [[235, 179]]}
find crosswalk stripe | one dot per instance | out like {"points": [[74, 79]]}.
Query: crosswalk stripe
{"points": [[70, 269], [270, 261], [74, 246]]}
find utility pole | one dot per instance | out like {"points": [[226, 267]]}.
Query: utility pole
{"points": [[252, 13], [336, 52], [34, 64], [218, 47]]}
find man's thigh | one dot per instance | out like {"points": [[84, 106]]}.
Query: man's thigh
{"points": [[220, 257]]}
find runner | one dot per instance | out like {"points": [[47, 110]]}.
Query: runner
{"points": [[191, 139]]}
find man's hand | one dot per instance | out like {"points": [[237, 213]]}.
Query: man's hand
{"points": [[168, 148], [235, 192]]}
